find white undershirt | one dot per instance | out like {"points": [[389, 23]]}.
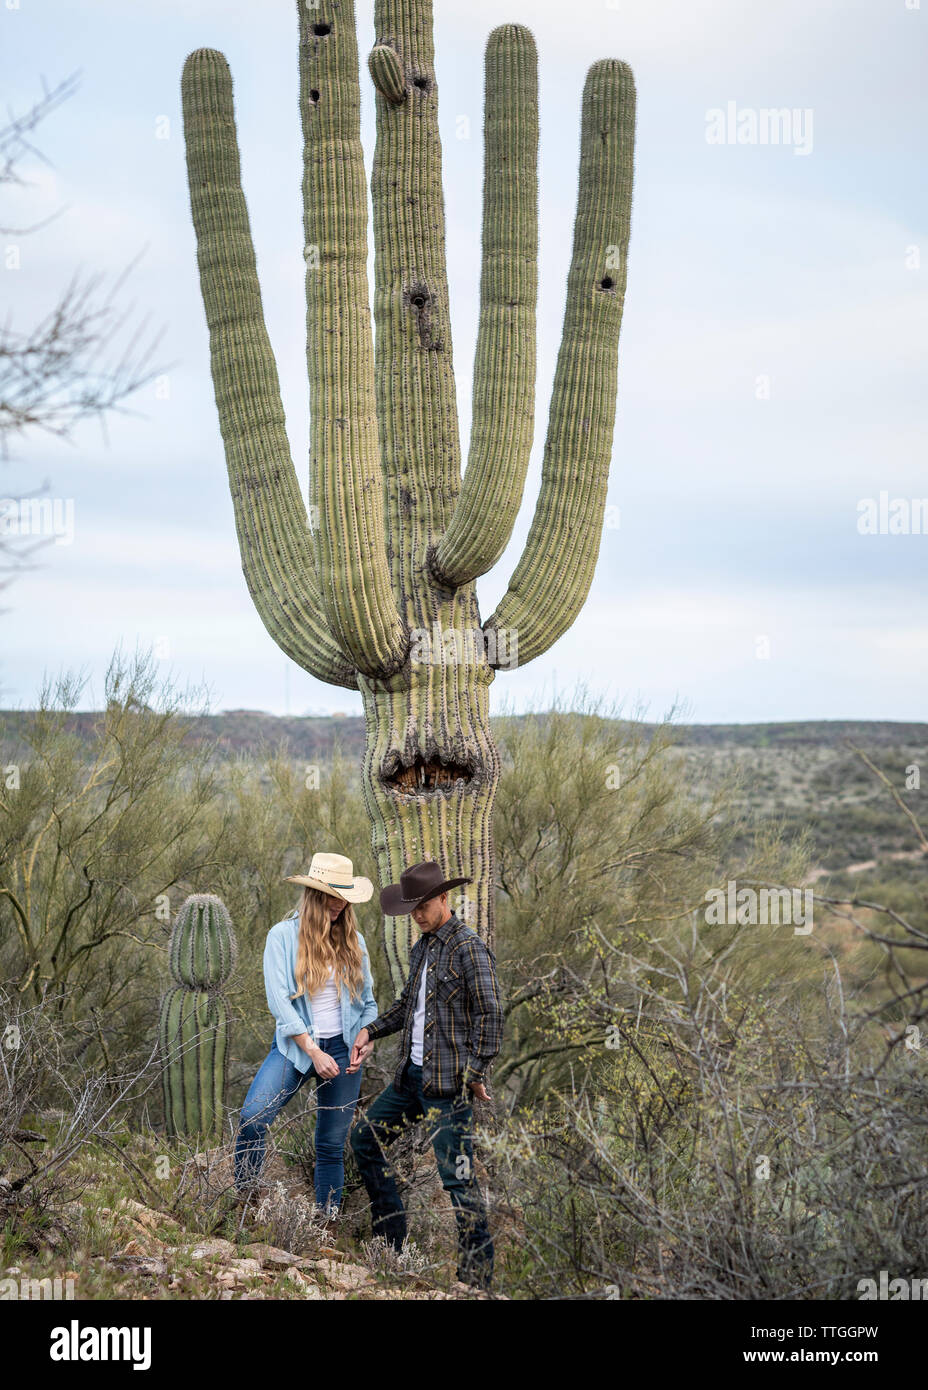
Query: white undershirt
{"points": [[327, 1010], [418, 1020]]}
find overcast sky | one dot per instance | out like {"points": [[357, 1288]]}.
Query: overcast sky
{"points": [[738, 580]]}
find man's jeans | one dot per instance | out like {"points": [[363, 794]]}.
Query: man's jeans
{"points": [[276, 1082], [450, 1121]]}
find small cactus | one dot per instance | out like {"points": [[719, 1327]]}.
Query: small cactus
{"points": [[194, 1023], [202, 943]]}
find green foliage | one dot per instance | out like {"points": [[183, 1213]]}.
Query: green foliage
{"points": [[92, 841], [606, 849], [652, 1060]]}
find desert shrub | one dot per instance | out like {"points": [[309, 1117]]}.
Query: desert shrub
{"points": [[52, 1107], [90, 845], [380, 1255], [291, 1222], [776, 1155], [604, 845]]}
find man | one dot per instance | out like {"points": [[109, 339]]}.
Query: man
{"points": [[451, 1021]]}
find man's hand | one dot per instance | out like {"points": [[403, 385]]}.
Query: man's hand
{"points": [[360, 1051], [479, 1090]]}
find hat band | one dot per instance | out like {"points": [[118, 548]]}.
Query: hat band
{"points": [[337, 885]]}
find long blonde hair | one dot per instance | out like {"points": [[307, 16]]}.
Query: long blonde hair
{"points": [[324, 945]]}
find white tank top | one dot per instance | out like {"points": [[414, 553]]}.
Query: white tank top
{"points": [[327, 1010]]}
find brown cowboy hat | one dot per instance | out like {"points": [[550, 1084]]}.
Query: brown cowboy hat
{"points": [[416, 885]]}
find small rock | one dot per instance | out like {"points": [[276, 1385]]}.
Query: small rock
{"points": [[210, 1250], [272, 1255], [150, 1246], [238, 1272], [145, 1216], [310, 1290], [153, 1268], [343, 1276]]}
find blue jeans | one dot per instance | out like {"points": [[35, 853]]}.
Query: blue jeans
{"points": [[277, 1081], [450, 1122]]}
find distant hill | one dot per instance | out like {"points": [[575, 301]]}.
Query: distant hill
{"points": [[803, 776], [236, 731], [313, 738]]}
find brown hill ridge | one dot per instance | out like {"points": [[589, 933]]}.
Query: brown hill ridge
{"points": [[315, 737]]}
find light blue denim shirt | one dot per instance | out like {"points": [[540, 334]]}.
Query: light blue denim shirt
{"points": [[295, 1016]]}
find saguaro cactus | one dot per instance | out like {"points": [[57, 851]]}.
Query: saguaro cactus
{"points": [[193, 1028], [375, 589]]}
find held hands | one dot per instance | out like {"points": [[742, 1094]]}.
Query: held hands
{"points": [[361, 1050]]}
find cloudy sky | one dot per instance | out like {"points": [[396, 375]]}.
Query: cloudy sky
{"points": [[772, 370]]}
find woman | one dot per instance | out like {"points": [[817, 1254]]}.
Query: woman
{"points": [[318, 980]]}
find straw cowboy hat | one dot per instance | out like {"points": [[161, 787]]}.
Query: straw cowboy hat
{"points": [[333, 873], [416, 885]]}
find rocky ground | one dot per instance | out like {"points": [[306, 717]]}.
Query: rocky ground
{"points": [[202, 1245], [158, 1258]]}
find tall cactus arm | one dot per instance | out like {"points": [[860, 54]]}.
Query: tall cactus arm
{"points": [[553, 576], [270, 518], [420, 446], [504, 363], [345, 480]]}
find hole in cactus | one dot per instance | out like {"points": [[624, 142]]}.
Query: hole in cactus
{"points": [[607, 283], [424, 775], [320, 30], [418, 296], [422, 83], [419, 299], [314, 96]]}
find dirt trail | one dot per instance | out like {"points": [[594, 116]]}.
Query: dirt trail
{"points": [[864, 864]]}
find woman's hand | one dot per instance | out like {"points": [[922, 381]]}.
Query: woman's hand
{"points": [[325, 1066]]}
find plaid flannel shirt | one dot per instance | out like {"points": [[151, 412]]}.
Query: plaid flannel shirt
{"points": [[463, 1017]]}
